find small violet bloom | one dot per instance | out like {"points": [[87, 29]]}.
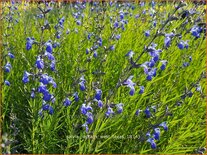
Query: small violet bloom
{"points": [[141, 91], [25, 78], [89, 118], [156, 133], [98, 94], [183, 44], [164, 63], [131, 85], [152, 142], [147, 112], [67, 102], [39, 63], [109, 112], [75, 95], [130, 54], [147, 33], [119, 108], [7, 83], [164, 125]]}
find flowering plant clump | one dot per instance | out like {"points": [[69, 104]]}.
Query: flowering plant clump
{"points": [[103, 77]]}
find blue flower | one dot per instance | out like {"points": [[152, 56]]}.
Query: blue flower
{"points": [[151, 63], [67, 102], [164, 125], [51, 110], [130, 54], [138, 112], [149, 77], [29, 43], [56, 45], [100, 42], [52, 66], [11, 55], [195, 31], [89, 36], [154, 23], [47, 96], [132, 90], [61, 21], [183, 44], [42, 88], [141, 90], [116, 24], [118, 36], [39, 63], [148, 134], [156, 133], [109, 112], [147, 112], [112, 47], [95, 54], [7, 83], [87, 51], [100, 104], [49, 47], [151, 73], [58, 35], [121, 15], [89, 118], [84, 109], [25, 78], [167, 41], [45, 79], [164, 63], [45, 107], [98, 94], [119, 108], [147, 33], [185, 64], [7, 67], [152, 142], [75, 95], [146, 69], [82, 85], [130, 84], [78, 22], [32, 94]]}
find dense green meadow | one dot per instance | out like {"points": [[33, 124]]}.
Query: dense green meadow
{"points": [[111, 77]]}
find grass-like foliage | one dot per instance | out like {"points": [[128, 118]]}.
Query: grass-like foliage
{"points": [[103, 77]]}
